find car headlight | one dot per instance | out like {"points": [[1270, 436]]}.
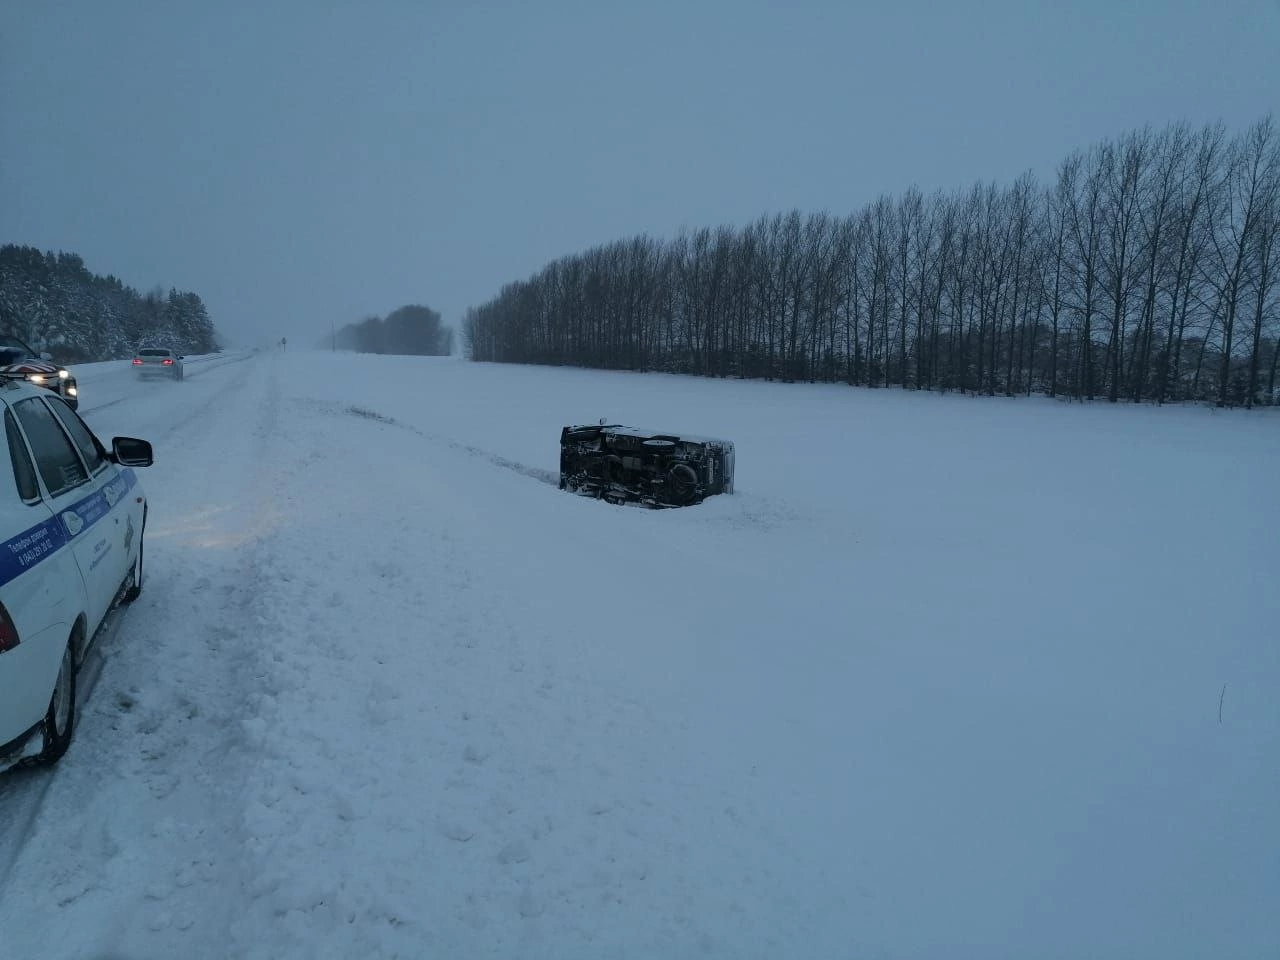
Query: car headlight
{"points": [[72, 392], [63, 374], [37, 378]]}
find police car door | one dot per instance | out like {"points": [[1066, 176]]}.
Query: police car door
{"points": [[73, 487], [40, 587], [117, 513]]}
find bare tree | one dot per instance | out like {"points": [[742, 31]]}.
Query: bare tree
{"points": [[1236, 217], [1264, 254], [1122, 169]]}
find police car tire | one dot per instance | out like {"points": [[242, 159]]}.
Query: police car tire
{"points": [[57, 740], [135, 589]]}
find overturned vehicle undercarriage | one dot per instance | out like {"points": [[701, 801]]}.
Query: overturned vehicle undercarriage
{"points": [[625, 465]]}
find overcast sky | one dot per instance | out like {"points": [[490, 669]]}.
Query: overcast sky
{"points": [[298, 164]]}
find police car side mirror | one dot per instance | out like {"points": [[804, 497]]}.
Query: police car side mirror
{"points": [[130, 452]]}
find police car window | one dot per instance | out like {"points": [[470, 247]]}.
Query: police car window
{"points": [[56, 459], [24, 471], [84, 440]]}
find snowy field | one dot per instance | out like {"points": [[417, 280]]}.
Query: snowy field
{"points": [[946, 677]]}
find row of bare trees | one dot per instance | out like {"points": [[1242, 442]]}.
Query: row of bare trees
{"points": [[1148, 270], [413, 329]]}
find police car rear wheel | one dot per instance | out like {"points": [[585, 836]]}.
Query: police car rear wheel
{"points": [[60, 721]]}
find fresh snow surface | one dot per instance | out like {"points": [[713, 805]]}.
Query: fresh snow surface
{"points": [[942, 679]]}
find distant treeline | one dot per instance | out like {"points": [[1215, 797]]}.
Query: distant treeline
{"points": [[52, 302], [411, 329], [1148, 270]]}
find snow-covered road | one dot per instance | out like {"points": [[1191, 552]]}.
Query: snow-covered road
{"points": [[942, 679]]}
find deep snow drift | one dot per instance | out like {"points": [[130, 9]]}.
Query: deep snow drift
{"points": [[941, 679]]}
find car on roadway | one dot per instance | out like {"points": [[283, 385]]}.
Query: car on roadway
{"points": [[72, 519], [17, 358], [158, 362]]}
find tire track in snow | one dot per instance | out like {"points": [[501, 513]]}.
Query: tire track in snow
{"points": [[536, 473]]}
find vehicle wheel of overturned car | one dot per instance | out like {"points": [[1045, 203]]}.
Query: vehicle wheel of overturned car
{"points": [[621, 464]]}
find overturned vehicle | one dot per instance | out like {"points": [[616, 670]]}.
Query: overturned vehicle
{"points": [[625, 465]]}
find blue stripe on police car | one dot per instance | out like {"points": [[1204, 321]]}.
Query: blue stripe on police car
{"points": [[20, 553]]}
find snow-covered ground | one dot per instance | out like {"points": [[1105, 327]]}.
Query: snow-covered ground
{"points": [[942, 679]]}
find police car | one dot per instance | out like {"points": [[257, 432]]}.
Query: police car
{"points": [[72, 516], [16, 358]]}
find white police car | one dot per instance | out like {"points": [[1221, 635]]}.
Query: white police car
{"points": [[72, 516]]}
